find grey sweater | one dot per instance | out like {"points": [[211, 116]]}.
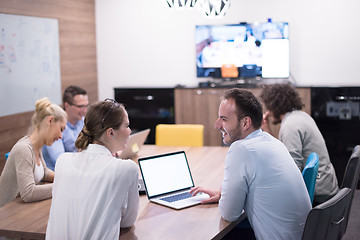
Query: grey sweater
{"points": [[17, 177], [301, 136]]}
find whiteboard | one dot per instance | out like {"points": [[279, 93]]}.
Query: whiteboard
{"points": [[29, 62]]}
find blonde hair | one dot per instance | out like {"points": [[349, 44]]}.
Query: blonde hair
{"points": [[43, 109]]}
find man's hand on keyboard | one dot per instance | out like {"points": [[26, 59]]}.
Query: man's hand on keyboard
{"points": [[214, 195]]}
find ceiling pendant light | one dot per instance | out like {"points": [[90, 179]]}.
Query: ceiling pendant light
{"points": [[181, 3], [213, 8]]}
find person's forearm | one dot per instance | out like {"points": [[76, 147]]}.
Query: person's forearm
{"points": [[50, 177]]}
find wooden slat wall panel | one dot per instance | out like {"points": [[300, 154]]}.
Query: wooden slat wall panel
{"points": [[77, 55], [201, 106]]}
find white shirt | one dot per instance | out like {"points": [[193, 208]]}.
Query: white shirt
{"points": [[262, 178], [93, 195], [38, 172]]}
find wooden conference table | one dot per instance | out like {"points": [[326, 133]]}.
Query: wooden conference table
{"points": [[29, 220]]}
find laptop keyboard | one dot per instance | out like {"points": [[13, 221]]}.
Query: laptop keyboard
{"points": [[177, 197]]}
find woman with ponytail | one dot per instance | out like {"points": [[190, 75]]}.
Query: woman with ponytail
{"points": [[95, 193], [25, 167]]}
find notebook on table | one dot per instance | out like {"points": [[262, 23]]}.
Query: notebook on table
{"points": [[168, 180], [135, 142]]}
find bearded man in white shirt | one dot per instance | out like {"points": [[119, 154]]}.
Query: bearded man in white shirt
{"points": [[260, 176]]}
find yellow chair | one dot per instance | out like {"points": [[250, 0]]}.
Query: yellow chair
{"points": [[179, 135]]}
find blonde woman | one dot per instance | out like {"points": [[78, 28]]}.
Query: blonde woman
{"points": [[94, 192], [25, 168]]}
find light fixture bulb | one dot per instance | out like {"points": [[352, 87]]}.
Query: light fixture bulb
{"points": [[213, 8], [181, 3]]}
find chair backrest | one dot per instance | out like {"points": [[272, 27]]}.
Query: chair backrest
{"points": [[7, 155], [325, 221], [351, 178], [179, 135], [351, 175], [310, 172]]}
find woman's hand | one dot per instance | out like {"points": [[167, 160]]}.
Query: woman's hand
{"points": [[50, 177]]}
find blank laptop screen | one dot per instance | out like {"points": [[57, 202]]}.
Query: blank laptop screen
{"points": [[165, 173]]}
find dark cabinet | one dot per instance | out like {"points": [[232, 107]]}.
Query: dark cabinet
{"points": [[147, 107], [336, 112]]}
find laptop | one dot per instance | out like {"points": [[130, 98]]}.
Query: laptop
{"points": [[135, 142], [167, 180]]}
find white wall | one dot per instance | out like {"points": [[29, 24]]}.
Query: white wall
{"points": [[143, 43]]}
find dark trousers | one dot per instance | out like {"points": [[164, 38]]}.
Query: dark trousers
{"points": [[242, 231]]}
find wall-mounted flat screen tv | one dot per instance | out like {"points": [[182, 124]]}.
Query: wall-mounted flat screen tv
{"points": [[256, 49]]}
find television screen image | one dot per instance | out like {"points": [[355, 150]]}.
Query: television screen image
{"points": [[259, 49]]}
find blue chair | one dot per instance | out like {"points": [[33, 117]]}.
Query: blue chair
{"points": [[7, 155], [310, 172]]}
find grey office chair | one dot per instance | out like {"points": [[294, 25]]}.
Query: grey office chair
{"points": [[351, 178], [325, 221]]}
